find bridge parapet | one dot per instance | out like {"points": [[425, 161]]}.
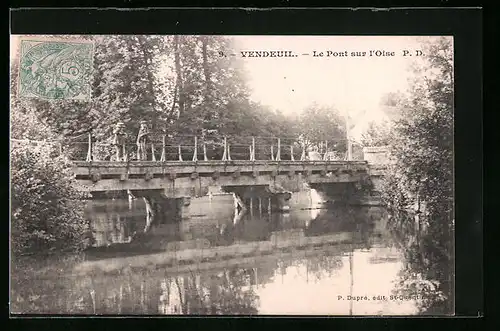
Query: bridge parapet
{"points": [[162, 147], [377, 155]]}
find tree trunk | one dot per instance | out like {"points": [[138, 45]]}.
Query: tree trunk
{"points": [[148, 61], [209, 113], [178, 72], [206, 70], [171, 113]]}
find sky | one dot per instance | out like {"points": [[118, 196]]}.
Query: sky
{"points": [[353, 85]]}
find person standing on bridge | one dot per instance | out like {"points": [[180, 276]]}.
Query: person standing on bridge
{"points": [[119, 141], [142, 140]]}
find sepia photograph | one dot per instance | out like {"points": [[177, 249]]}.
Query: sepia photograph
{"points": [[232, 175]]}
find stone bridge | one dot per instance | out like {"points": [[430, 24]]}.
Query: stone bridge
{"points": [[186, 178]]}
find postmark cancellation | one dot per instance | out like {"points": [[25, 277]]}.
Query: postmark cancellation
{"points": [[55, 69]]}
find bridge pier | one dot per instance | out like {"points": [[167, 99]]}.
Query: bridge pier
{"points": [[353, 193], [184, 210]]}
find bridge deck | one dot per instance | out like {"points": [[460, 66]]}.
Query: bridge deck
{"points": [[181, 177], [188, 167]]}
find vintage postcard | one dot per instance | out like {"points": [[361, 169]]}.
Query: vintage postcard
{"points": [[232, 175]]}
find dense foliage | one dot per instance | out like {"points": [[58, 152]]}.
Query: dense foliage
{"points": [[318, 124], [376, 135], [46, 209], [419, 186], [180, 85]]}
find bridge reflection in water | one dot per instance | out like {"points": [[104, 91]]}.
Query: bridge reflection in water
{"points": [[307, 261]]}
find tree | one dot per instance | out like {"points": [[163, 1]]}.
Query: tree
{"points": [[127, 88], [211, 88], [377, 134], [180, 84], [422, 176], [27, 125], [319, 123]]}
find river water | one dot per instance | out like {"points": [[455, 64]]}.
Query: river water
{"points": [[121, 275]]}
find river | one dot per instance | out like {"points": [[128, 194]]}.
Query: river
{"points": [[318, 259]]}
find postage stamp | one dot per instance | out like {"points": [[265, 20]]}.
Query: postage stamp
{"points": [[51, 69]]}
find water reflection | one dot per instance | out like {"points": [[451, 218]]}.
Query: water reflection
{"points": [[319, 278], [115, 224]]}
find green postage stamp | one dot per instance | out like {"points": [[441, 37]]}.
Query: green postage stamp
{"points": [[55, 69]]}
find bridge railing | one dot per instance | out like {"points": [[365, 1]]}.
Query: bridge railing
{"points": [[202, 148]]}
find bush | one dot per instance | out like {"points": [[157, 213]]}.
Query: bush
{"points": [[46, 209]]}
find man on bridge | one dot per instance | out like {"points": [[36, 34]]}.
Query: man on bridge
{"points": [[142, 139], [119, 141]]}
